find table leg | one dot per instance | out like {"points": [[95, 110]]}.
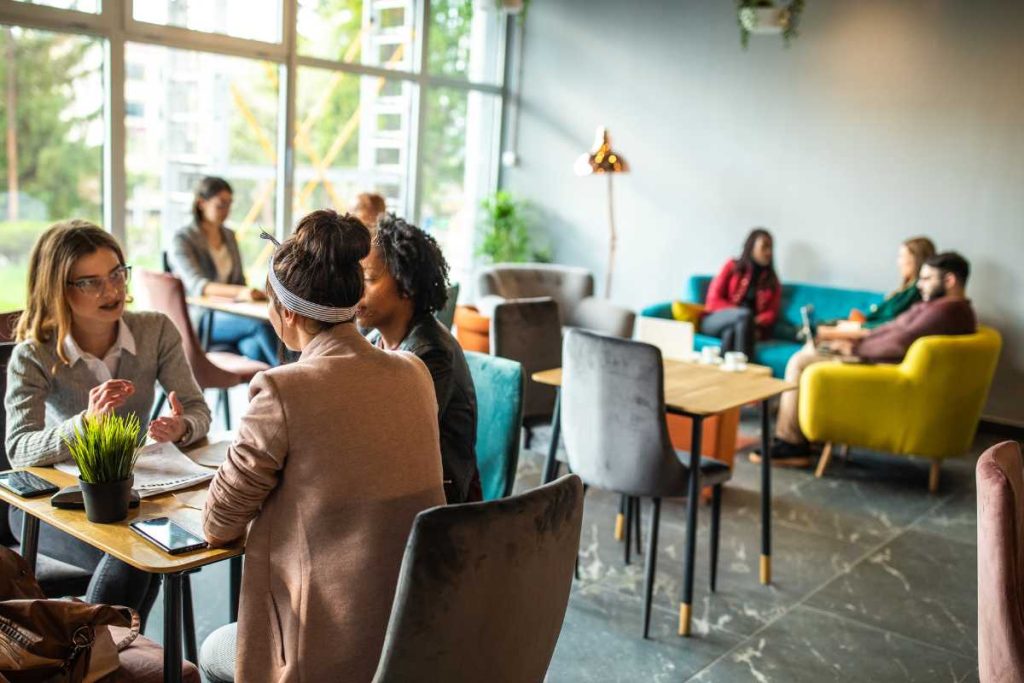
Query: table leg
{"points": [[172, 628], [236, 586], [30, 540], [692, 503], [206, 329], [189, 621], [551, 464], [766, 495]]}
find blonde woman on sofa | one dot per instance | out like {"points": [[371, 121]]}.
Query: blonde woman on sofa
{"points": [[912, 255], [335, 456]]}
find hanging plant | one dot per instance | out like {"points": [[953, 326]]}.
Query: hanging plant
{"points": [[765, 16]]}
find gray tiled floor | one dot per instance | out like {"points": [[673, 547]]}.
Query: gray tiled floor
{"points": [[874, 580]]}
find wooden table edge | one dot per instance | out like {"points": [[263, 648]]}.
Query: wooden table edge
{"points": [[183, 562]]}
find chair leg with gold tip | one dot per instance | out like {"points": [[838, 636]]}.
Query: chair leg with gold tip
{"points": [[933, 476], [652, 560], [620, 519]]}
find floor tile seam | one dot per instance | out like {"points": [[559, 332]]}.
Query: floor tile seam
{"points": [[788, 610], [875, 627], [669, 611]]}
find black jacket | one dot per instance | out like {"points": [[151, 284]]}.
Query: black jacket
{"points": [[433, 344]]}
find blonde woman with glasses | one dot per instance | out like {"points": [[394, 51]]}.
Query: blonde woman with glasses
{"points": [[81, 354]]}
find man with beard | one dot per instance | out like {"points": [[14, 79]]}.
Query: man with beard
{"points": [[945, 309]]}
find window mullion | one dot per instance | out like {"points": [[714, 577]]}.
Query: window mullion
{"points": [[417, 143], [286, 121], [114, 174]]}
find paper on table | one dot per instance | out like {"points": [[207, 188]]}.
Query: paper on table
{"points": [[210, 455], [161, 467]]}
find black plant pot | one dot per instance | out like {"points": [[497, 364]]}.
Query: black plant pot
{"points": [[107, 501]]}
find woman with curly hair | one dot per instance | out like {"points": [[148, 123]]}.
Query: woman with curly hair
{"points": [[405, 277]]}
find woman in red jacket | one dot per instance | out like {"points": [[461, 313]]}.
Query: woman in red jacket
{"points": [[744, 298]]}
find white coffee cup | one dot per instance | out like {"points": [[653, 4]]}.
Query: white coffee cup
{"points": [[735, 360], [710, 354]]}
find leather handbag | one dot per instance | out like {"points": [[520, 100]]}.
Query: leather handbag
{"points": [[65, 641]]}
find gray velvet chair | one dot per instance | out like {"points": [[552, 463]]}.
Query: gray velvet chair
{"points": [[613, 424], [447, 314], [571, 287], [484, 587], [1000, 478], [529, 331]]}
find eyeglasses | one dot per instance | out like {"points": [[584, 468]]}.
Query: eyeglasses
{"points": [[94, 286]]}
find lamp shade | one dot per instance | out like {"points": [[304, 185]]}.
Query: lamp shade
{"points": [[602, 158]]}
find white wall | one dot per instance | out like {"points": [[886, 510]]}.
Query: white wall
{"points": [[884, 120]]}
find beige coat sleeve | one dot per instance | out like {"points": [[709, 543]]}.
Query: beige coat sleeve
{"points": [[252, 467]]}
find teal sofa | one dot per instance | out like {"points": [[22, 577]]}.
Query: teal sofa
{"points": [[829, 303]]}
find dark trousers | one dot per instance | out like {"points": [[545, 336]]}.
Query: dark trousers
{"points": [[734, 326], [113, 582]]}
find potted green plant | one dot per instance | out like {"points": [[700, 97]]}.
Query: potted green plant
{"points": [[105, 451], [768, 17], [506, 234]]}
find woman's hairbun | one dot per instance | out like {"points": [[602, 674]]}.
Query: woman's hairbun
{"points": [[320, 260]]}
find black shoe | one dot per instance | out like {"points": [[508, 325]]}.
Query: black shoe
{"points": [[785, 454]]}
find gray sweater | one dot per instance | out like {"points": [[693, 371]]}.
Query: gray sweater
{"points": [[45, 398]]}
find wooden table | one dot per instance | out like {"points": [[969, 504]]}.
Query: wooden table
{"points": [[247, 309], [119, 541], [698, 392]]}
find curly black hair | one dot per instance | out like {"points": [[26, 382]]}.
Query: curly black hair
{"points": [[415, 260]]}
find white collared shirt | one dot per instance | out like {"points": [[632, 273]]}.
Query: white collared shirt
{"points": [[102, 368]]}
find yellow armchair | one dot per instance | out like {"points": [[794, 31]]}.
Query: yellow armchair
{"points": [[927, 406]]}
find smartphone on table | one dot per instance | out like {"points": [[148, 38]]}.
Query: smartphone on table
{"points": [[166, 534], [26, 484]]}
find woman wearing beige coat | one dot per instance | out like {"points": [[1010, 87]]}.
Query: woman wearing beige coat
{"points": [[336, 455]]}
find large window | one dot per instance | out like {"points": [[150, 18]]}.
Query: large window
{"points": [[51, 163], [399, 97], [188, 115]]}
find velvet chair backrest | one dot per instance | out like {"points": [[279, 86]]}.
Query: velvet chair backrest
{"points": [[6, 348], [166, 293], [483, 589], [613, 416], [529, 331], [1000, 479], [499, 415], [568, 285], [447, 314]]}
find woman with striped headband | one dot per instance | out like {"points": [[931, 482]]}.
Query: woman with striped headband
{"points": [[336, 455]]}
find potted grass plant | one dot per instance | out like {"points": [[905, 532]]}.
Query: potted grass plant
{"points": [[105, 451]]}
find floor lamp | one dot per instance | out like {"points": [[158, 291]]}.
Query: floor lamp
{"points": [[602, 159]]}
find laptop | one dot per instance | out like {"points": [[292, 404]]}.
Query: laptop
{"points": [[674, 338]]}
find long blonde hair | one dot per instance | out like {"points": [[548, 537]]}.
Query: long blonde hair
{"points": [[47, 313], [922, 249]]}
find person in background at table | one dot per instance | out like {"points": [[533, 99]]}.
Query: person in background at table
{"points": [[945, 309], [405, 279], [336, 455], [368, 207], [80, 354], [743, 300], [205, 255]]}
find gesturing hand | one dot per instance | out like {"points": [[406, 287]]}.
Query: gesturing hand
{"points": [[109, 396], [171, 427]]}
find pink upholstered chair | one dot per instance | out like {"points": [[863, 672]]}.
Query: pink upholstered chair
{"points": [[213, 369], [1000, 476]]}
